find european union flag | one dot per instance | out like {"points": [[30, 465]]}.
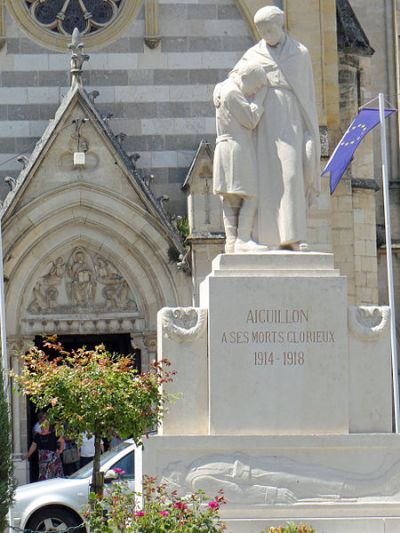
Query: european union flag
{"points": [[365, 121]]}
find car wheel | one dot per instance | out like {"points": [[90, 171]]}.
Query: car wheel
{"points": [[54, 519]]}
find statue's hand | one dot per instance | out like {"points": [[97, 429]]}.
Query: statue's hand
{"points": [[285, 496]]}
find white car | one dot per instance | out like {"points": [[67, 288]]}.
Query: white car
{"points": [[57, 504]]}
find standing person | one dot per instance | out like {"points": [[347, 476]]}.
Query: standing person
{"points": [[40, 417], [287, 137], [50, 448], [235, 165], [87, 450]]}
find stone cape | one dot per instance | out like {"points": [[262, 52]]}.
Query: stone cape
{"points": [[287, 143]]}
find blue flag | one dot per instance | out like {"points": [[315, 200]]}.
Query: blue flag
{"points": [[365, 121]]}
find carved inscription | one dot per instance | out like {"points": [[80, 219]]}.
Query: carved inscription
{"points": [[280, 336]]}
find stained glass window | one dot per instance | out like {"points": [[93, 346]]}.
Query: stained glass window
{"points": [[62, 16]]}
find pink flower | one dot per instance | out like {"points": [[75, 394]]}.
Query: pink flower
{"points": [[180, 505], [213, 505], [139, 513], [119, 471], [164, 513]]}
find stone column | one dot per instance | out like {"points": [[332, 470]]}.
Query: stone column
{"points": [[17, 346], [182, 339]]}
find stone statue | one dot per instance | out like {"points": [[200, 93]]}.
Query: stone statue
{"points": [[235, 165], [83, 284], [83, 280], [279, 480], [286, 139]]}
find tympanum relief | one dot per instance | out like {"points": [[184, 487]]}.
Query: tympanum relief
{"points": [[81, 282]]}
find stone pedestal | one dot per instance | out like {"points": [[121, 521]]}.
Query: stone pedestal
{"points": [[276, 334], [286, 399]]}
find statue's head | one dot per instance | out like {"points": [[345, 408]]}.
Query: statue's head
{"points": [[269, 21], [250, 77]]}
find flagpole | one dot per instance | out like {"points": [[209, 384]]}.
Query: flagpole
{"points": [[389, 262]]}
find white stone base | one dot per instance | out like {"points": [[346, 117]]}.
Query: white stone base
{"points": [[277, 345], [336, 483]]}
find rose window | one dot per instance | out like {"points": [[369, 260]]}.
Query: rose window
{"points": [[62, 16], [51, 22]]}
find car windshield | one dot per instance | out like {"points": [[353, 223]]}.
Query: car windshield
{"points": [[86, 471]]}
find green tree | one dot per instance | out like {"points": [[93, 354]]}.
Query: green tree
{"points": [[93, 391], [7, 484]]}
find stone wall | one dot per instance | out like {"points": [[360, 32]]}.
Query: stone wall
{"points": [[160, 98]]}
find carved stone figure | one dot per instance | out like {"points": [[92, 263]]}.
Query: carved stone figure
{"points": [[83, 280], [116, 290], [287, 136], [235, 165], [83, 283], [272, 480], [44, 298], [56, 271]]}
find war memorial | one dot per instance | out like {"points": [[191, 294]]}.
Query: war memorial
{"points": [[286, 389], [270, 313]]}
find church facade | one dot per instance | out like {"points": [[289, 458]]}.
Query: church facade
{"points": [[100, 162]]}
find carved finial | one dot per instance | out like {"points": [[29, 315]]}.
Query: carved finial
{"points": [[77, 58], [148, 179], [23, 160], [11, 182], [107, 117], [93, 95], [162, 200], [134, 157], [121, 137]]}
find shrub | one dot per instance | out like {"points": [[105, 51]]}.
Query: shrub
{"points": [[93, 391], [291, 527], [162, 511], [7, 484]]}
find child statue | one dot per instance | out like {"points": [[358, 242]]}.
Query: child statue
{"points": [[235, 163]]}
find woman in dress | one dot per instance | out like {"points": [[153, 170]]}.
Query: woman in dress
{"points": [[50, 448]]}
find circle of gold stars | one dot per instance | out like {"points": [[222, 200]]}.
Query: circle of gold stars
{"points": [[361, 134]]}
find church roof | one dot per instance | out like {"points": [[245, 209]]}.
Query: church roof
{"points": [[351, 36], [78, 94]]}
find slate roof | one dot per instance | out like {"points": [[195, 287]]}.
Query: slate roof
{"points": [[351, 36], [204, 149]]}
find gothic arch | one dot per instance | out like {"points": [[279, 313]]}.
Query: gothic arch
{"points": [[118, 230]]}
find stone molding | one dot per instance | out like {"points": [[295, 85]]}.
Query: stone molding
{"points": [[59, 42], [2, 25], [183, 324], [152, 37], [368, 322], [88, 324]]}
